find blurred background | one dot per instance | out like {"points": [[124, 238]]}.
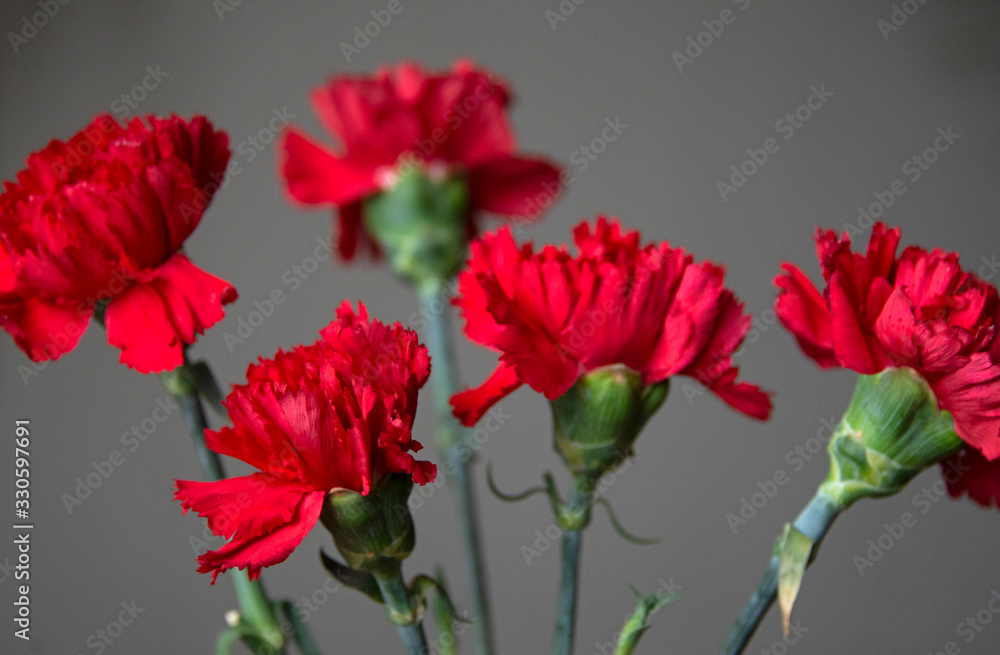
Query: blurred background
{"points": [[867, 85]]}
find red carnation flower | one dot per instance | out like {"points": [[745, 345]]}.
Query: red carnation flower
{"points": [[101, 219], [920, 310], [554, 316], [333, 415], [449, 123]]}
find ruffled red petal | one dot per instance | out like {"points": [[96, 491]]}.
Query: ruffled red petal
{"points": [[153, 319], [472, 404], [802, 309], [268, 548], [244, 507]]}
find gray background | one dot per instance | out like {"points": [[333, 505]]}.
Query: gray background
{"points": [[696, 460]]}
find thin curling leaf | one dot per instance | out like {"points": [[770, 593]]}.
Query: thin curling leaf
{"points": [[638, 622], [622, 532], [362, 581], [795, 551], [508, 498]]}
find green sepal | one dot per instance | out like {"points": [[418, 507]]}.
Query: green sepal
{"points": [[179, 382], [638, 622], [420, 224], [795, 552], [362, 581], [374, 532], [892, 430], [598, 419], [574, 514]]}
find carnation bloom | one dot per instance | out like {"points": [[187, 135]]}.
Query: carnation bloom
{"points": [[331, 416], [448, 124], [101, 219], [918, 310], [554, 316]]}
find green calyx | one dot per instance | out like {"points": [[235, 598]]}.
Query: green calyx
{"points": [[420, 224], [375, 532], [598, 419], [892, 430]]}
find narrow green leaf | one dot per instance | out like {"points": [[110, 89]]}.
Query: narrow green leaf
{"points": [[795, 551], [358, 580]]}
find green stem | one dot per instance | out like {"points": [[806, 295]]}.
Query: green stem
{"points": [[562, 642], [450, 437], [814, 521], [399, 604], [576, 514], [255, 608]]}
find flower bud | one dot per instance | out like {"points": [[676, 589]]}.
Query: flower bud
{"points": [[374, 532], [596, 421], [892, 430], [421, 224]]}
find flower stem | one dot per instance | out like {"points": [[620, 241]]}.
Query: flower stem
{"points": [[813, 522], [399, 603], [433, 300], [562, 642], [577, 513], [254, 605]]}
